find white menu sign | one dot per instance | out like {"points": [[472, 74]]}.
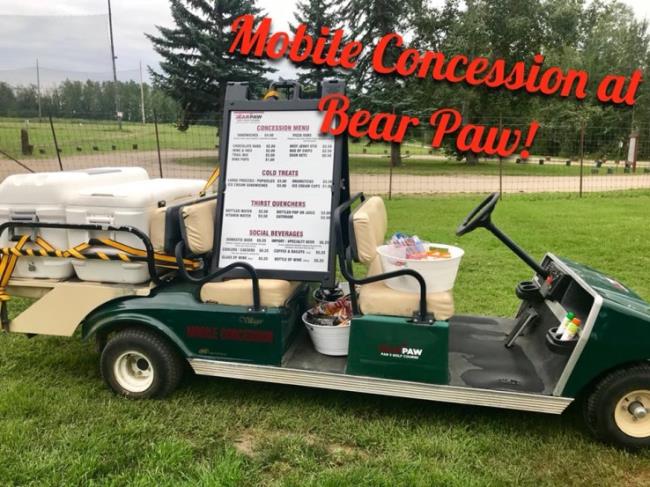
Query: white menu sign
{"points": [[278, 198]]}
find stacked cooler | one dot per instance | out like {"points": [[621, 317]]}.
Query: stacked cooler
{"points": [[42, 197], [128, 204]]}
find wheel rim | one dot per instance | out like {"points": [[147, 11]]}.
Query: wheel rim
{"points": [[632, 414], [133, 371]]}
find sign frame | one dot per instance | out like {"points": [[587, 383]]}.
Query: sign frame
{"points": [[237, 99]]}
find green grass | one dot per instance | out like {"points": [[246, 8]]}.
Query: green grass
{"points": [[81, 137], [59, 425], [85, 134], [449, 167]]}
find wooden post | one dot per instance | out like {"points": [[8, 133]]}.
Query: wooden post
{"points": [[582, 153], [155, 124], [56, 144]]}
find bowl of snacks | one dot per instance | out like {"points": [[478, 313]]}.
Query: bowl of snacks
{"points": [[437, 263]]}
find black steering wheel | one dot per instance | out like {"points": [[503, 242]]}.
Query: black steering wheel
{"points": [[479, 216]]}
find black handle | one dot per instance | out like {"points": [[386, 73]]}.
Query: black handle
{"points": [[179, 251]]}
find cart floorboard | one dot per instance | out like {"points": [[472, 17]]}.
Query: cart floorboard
{"points": [[478, 357], [303, 366]]}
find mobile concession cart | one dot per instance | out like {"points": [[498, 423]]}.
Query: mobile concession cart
{"points": [[231, 275]]}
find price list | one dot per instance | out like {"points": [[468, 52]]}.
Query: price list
{"points": [[277, 203]]}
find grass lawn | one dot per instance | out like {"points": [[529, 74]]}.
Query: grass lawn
{"points": [[84, 134], [433, 167], [82, 137], [59, 425]]}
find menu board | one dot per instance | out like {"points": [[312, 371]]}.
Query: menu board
{"points": [[278, 191]]}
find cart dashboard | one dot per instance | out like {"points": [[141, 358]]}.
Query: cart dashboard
{"points": [[564, 290]]}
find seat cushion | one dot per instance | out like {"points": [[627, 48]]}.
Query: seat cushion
{"points": [[239, 292], [378, 299], [199, 226], [157, 229], [370, 222]]}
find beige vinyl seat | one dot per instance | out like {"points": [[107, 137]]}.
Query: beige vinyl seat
{"points": [[197, 221], [238, 292], [370, 223]]}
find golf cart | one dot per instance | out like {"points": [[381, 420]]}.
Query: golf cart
{"points": [[238, 320]]}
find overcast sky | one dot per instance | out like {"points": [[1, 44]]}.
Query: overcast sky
{"points": [[81, 45]]}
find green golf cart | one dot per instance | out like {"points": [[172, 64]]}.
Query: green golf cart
{"points": [[238, 320], [401, 344]]}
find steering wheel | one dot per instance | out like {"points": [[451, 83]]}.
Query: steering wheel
{"points": [[479, 216]]}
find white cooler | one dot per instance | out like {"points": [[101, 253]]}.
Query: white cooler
{"points": [[40, 197], [127, 204]]}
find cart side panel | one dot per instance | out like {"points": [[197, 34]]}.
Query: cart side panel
{"points": [[620, 336], [205, 330], [394, 348]]}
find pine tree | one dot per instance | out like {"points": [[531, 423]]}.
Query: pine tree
{"points": [[314, 14], [368, 20], [196, 63]]}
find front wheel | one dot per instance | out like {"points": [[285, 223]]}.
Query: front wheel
{"points": [[139, 364], [618, 409]]}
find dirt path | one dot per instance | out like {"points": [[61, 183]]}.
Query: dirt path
{"points": [[370, 183]]}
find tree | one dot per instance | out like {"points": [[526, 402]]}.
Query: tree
{"points": [[7, 99], [315, 14], [368, 20], [196, 64]]}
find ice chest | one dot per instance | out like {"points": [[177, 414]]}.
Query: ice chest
{"points": [[41, 197], [128, 204]]}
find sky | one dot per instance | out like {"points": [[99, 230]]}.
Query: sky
{"points": [[81, 44]]}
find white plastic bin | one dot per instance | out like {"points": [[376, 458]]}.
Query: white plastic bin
{"points": [[328, 340], [127, 204], [439, 274], [40, 197]]}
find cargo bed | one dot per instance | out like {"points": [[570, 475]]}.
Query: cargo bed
{"points": [[61, 305]]}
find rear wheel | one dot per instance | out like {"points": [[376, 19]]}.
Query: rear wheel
{"points": [[618, 409], [139, 364]]}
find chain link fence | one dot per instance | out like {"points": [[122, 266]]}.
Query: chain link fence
{"points": [[564, 158]]}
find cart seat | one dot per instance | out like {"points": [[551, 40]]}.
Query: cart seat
{"points": [[238, 292], [370, 224], [192, 221], [378, 299]]}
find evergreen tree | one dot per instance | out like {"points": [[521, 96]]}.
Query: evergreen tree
{"points": [[196, 63], [368, 20], [314, 14]]}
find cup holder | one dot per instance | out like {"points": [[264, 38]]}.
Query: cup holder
{"points": [[554, 344], [528, 291]]}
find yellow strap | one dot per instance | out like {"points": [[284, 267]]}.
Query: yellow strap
{"points": [[143, 253], [41, 242], [7, 265], [211, 180], [272, 94]]}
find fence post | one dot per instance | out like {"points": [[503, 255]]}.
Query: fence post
{"points": [[155, 124], [500, 163], [582, 153], [56, 144], [390, 179]]}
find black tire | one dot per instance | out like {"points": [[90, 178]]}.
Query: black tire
{"points": [[607, 408], [139, 364]]}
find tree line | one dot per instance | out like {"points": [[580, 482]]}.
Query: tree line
{"points": [[600, 37], [88, 100]]}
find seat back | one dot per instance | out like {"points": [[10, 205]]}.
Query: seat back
{"points": [[367, 231], [191, 220], [197, 226]]}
